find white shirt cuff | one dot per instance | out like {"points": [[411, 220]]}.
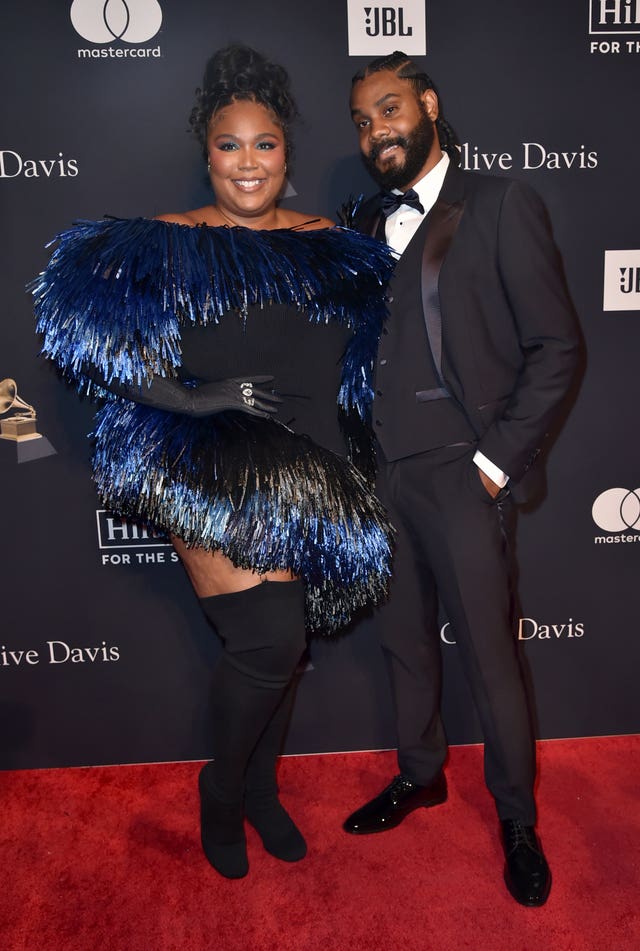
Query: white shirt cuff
{"points": [[496, 475]]}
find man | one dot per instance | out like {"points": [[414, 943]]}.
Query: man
{"points": [[478, 353]]}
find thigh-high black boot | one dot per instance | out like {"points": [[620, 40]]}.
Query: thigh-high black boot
{"points": [[264, 636], [280, 835]]}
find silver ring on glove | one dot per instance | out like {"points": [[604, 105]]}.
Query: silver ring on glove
{"points": [[247, 394]]}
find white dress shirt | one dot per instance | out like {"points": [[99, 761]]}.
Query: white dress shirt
{"points": [[403, 223], [399, 230]]}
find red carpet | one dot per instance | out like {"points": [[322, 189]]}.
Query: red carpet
{"points": [[108, 859]]}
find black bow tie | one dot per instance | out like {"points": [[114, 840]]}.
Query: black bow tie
{"points": [[391, 202]]}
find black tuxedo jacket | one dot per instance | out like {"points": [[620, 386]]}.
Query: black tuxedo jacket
{"points": [[498, 314]]}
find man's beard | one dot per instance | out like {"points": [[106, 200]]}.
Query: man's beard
{"points": [[417, 146]]}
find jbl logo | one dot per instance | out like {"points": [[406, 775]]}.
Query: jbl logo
{"points": [[630, 280], [377, 31], [621, 280], [386, 21]]}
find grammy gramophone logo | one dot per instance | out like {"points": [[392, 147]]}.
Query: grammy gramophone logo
{"points": [[20, 425]]}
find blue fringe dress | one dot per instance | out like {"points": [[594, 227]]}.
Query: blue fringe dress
{"points": [[132, 298]]}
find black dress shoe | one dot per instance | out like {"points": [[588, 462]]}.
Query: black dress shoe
{"points": [[394, 803], [526, 872]]}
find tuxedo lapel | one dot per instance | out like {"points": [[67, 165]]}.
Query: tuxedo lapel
{"points": [[371, 221], [440, 229]]}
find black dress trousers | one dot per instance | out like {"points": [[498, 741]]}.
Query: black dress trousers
{"points": [[453, 547]]}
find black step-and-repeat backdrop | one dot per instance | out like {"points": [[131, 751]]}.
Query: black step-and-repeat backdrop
{"points": [[104, 656]]}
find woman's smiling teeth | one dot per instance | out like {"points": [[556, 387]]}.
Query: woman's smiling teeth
{"points": [[248, 184]]}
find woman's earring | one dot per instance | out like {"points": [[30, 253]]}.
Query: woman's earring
{"points": [[208, 165]]}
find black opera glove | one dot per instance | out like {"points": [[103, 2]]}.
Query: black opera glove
{"points": [[207, 399], [238, 393]]}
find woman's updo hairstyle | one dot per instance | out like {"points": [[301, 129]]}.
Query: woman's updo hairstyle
{"points": [[240, 73]]}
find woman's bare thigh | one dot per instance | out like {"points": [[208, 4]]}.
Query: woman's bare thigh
{"points": [[212, 573]]}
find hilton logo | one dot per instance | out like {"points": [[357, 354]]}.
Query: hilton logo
{"points": [[378, 30], [118, 533], [614, 16]]}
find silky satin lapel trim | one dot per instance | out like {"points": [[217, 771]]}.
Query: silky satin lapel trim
{"points": [[374, 225], [441, 226]]}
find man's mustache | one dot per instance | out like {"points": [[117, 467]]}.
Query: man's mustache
{"points": [[377, 147]]}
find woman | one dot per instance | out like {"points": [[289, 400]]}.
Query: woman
{"points": [[183, 323]]}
